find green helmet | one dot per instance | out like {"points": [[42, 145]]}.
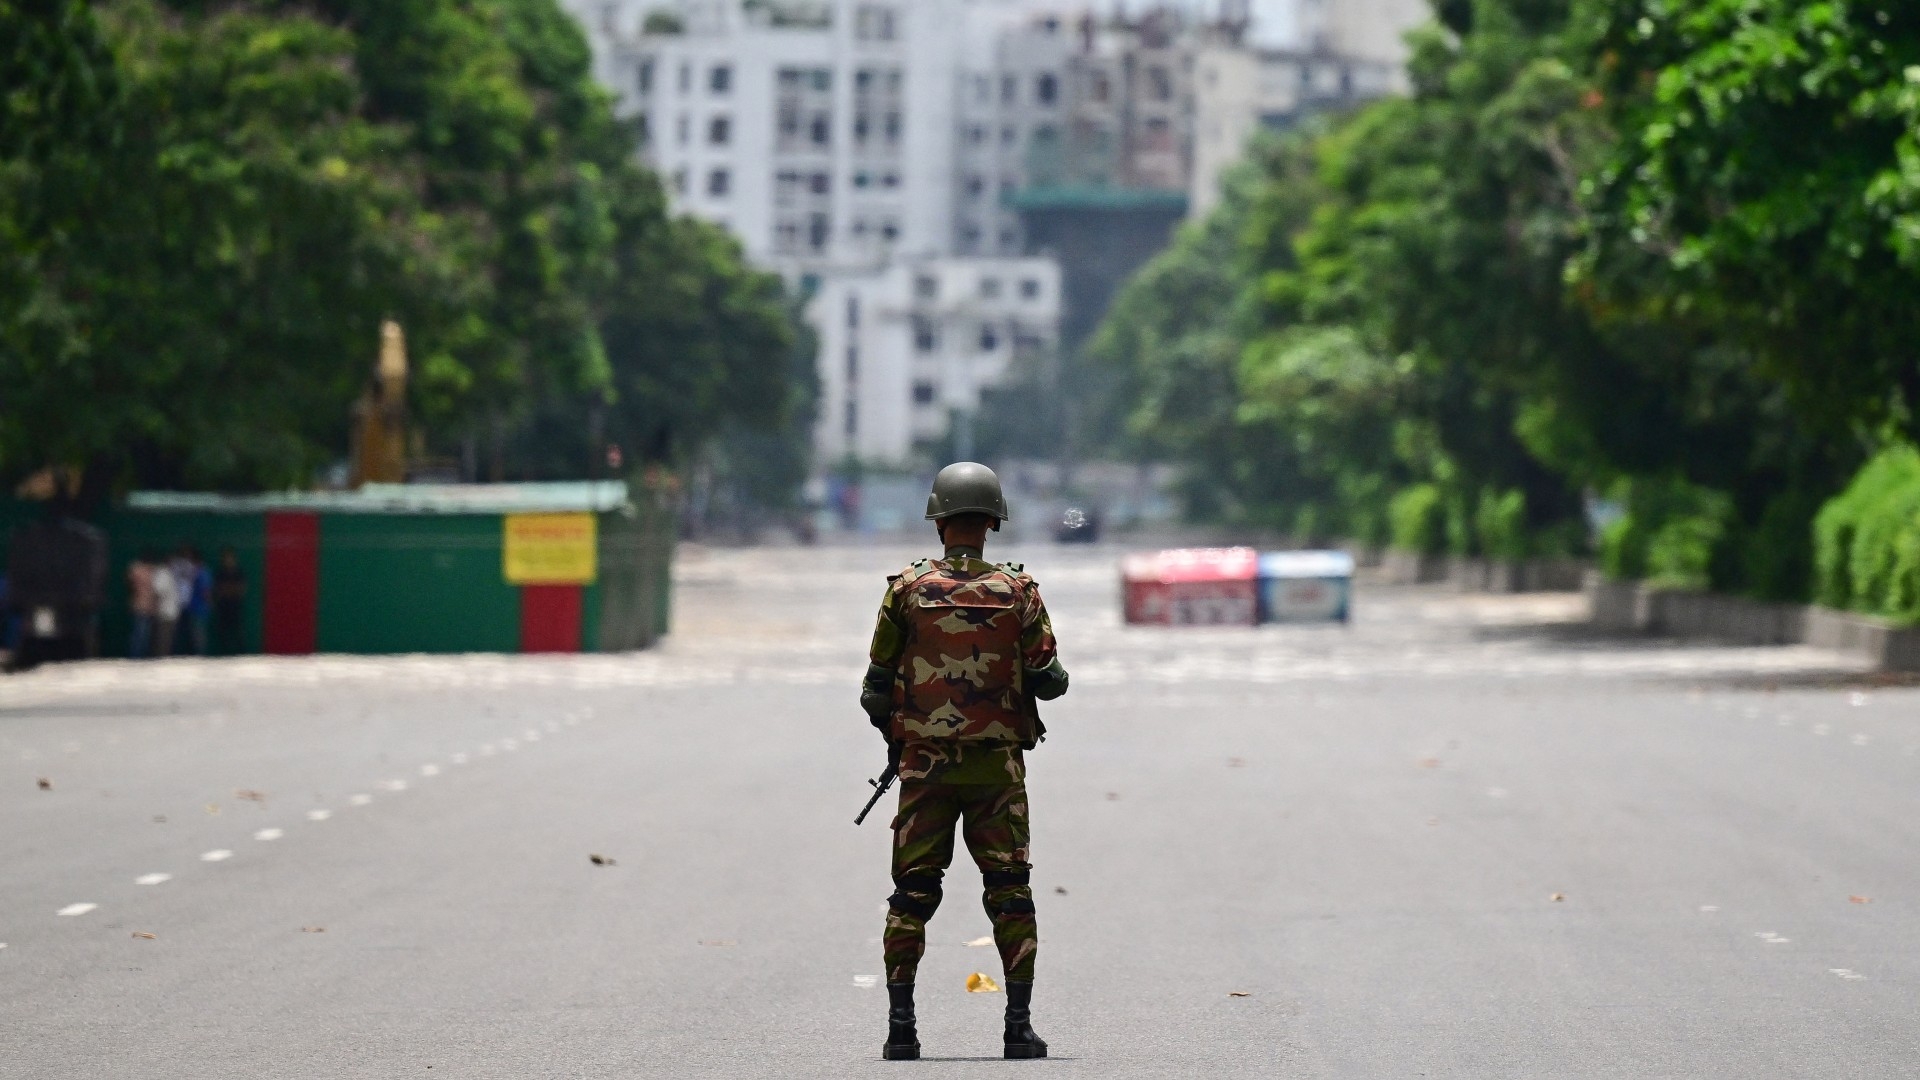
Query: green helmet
{"points": [[966, 487]]}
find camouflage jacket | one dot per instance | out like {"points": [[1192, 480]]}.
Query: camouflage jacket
{"points": [[961, 649]]}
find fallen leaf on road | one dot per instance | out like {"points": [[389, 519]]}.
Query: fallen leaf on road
{"points": [[719, 942], [1236, 763], [1860, 899], [1238, 993], [1557, 897], [601, 860], [250, 795], [1113, 796], [981, 984], [159, 819], [45, 784], [1060, 889], [979, 941], [1429, 762], [1433, 821], [213, 808], [313, 929], [144, 935]]}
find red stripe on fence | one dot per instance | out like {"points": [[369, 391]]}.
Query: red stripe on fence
{"points": [[292, 596]]}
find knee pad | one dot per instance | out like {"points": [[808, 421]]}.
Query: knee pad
{"points": [[916, 893]]}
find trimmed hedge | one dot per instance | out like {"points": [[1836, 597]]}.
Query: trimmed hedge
{"points": [[1867, 540]]}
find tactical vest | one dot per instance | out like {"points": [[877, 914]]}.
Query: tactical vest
{"points": [[960, 676]]}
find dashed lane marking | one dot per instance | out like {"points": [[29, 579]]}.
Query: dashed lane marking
{"points": [[269, 834], [486, 749], [1771, 938], [359, 800], [152, 879], [395, 785], [1845, 973], [459, 759], [429, 770], [217, 855], [319, 815], [75, 909], [530, 735]]}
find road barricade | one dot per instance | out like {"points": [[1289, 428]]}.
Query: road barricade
{"points": [[1192, 587], [1306, 586]]}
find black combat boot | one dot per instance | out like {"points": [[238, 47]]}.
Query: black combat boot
{"points": [[1021, 1041], [903, 1042]]}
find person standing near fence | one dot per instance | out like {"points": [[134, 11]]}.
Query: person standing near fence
{"points": [[196, 599], [166, 607], [142, 604], [229, 603]]}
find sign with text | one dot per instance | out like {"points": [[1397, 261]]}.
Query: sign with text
{"points": [[551, 549]]}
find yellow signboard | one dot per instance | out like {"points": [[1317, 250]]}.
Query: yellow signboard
{"points": [[551, 549]]}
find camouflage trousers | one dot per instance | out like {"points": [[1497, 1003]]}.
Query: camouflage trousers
{"points": [[993, 820]]}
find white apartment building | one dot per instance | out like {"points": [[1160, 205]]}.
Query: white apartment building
{"points": [[906, 347], [819, 133]]}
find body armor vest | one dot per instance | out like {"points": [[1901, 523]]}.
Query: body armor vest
{"points": [[960, 675]]}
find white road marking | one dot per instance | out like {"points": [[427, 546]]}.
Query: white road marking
{"points": [[217, 855], [1862, 739], [865, 982], [486, 749], [1709, 907], [269, 834], [319, 815], [152, 879], [1771, 938], [1786, 721], [1846, 973], [3, 944], [459, 759], [394, 785], [76, 909], [1823, 729], [429, 770], [1496, 793], [359, 800]]}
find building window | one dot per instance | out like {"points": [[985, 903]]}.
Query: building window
{"points": [[1008, 135], [1159, 84], [926, 287], [686, 78], [925, 339], [820, 183], [821, 131], [1009, 240], [819, 228], [853, 312], [862, 179], [989, 337], [875, 22], [890, 229], [924, 393], [720, 78], [642, 130], [990, 288], [853, 418], [890, 180], [1099, 87], [720, 131], [976, 185], [680, 181], [893, 127], [1029, 288], [969, 237], [1046, 88], [719, 182], [1009, 89], [682, 130], [643, 79], [853, 363], [976, 134]]}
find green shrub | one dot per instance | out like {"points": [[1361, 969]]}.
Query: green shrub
{"points": [[1669, 535], [1501, 523], [1866, 540], [1414, 520]]}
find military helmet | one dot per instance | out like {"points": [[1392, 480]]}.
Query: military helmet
{"points": [[966, 487]]}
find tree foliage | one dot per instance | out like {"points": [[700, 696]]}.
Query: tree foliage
{"points": [[1644, 254], [250, 188]]}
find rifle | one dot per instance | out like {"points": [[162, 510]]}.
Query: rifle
{"points": [[886, 780]]}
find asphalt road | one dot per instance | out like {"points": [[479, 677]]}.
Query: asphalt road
{"points": [[1459, 838]]}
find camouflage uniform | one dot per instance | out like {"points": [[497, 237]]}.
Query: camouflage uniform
{"points": [[961, 649]]}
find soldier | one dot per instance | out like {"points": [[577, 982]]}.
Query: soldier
{"points": [[962, 649]]}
